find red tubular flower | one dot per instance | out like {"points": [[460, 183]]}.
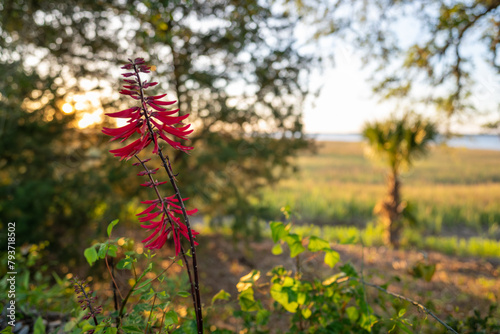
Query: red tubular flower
{"points": [[162, 229], [151, 119]]}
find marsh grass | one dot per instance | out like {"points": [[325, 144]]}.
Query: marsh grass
{"points": [[451, 188]]}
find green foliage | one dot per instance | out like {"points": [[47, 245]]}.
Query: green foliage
{"points": [[476, 323], [221, 295], [336, 304], [37, 287], [226, 73], [39, 327], [150, 299], [399, 141], [438, 57]]}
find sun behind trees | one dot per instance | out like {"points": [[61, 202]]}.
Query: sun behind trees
{"points": [[398, 141]]}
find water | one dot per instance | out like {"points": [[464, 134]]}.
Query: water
{"points": [[473, 142]]}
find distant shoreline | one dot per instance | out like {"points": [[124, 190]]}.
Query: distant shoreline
{"points": [[473, 142]]}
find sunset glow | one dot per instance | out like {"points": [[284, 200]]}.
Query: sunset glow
{"points": [[67, 108]]}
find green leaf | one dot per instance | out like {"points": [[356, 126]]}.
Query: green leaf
{"points": [[223, 295], [352, 313], [102, 250], [150, 294], [277, 250], [91, 255], [110, 226], [170, 318], [39, 327], [287, 282], [180, 263], [111, 330], [295, 244], [112, 250], [349, 270], [349, 241], [125, 263], [7, 330], [247, 301], [88, 326], [331, 258], [403, 328], [132, 329], [278, 231], [183, 293], [262, 317], [401, 312], [317, 244], [189, 327], [306, 313], [282, 296], [367, 321]]}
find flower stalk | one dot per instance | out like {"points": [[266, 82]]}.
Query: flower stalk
{"points": [[155, 123]]}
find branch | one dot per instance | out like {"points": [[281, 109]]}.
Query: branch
{"points": [[411, 301]]}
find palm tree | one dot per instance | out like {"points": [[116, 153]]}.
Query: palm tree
{"points": [[398, 141]]}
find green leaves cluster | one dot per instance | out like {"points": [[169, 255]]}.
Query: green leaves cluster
{"points": [[281, 235], [335, 304], [151, 304], [243, 91]]}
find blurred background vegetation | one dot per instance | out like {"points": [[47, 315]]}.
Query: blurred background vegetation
{"points": [[243, 70], [230, 65], [240, 71]]}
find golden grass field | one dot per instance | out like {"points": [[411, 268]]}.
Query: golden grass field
{"points": [[454, 192]]}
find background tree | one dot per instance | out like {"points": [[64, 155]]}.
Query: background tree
{"points": [[398, 141], [425, 51], [232, 65]]}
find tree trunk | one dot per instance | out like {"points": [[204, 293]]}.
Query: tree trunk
{"points": [[390, 210]]}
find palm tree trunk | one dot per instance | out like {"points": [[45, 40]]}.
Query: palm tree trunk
{"points": [[389, 210], [393, 210]]}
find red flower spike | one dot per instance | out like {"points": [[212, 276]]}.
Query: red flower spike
{"points": [[127, 113], [148, 210], [152, 120], [157, 97], [155, 107], [146, 85], [163, 103]]}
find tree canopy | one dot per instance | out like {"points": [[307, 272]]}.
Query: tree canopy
{"points": [[231, 65], [428, 51]]}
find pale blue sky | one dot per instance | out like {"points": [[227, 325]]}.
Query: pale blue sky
{"points": [[346, 101]]}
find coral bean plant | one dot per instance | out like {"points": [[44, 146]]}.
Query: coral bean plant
{"points": [[153, 122]]}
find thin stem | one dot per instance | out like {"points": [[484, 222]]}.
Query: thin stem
{"points": [[198, 311], [162, 319], [150, 312], [134, 271], [193, 295], [411, 301], [115, 286], [122, 309], [157, 275]]}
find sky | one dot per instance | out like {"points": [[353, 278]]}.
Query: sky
{"points": [[346, 100]]}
